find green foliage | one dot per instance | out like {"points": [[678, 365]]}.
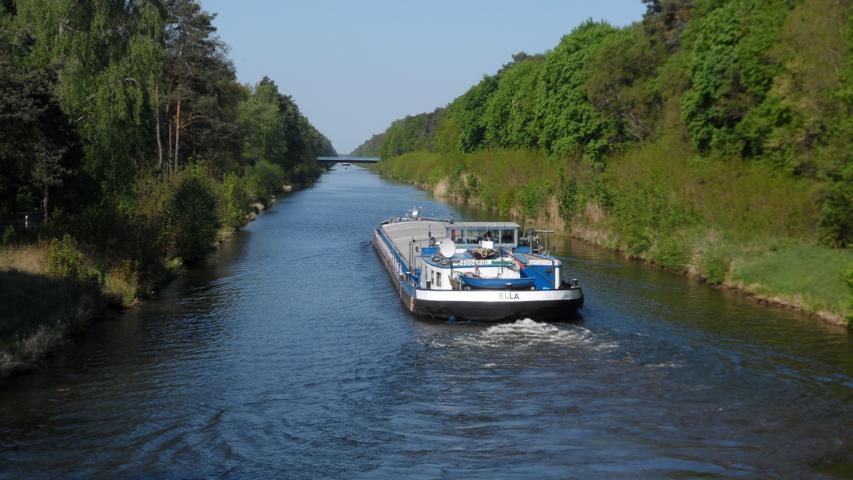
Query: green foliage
{"points": [[275, 131], [568, 197], [234, 201], [107, 52], [371, 147], [716, 136], [472, 186], [8, 236], [39, 149], [569, 124], [127, 118], [531, 197], [124, 123], [65, 260], [261, 121], [665, 20], [469, 110], [835, 225], [619, 83], [730, 75], [510, 110], [264, 180], [192, 216], [410, 134], [714, 267], [847, 278], [671, 252]]}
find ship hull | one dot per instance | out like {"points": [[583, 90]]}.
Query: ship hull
{"points": [[478, 305]]}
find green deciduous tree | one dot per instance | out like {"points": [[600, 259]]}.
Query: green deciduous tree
{"points": [[568, 123], [511, 109], [39, 148], [469, 112], [730, 74]]}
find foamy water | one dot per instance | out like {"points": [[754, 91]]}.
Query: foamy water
{"points": [[528, 333]]}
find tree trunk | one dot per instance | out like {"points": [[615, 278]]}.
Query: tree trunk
{"points": [[177, 132], [159, 140], [44, 200]]}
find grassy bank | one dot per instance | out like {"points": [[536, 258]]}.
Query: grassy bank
{"points": [[731, 223]]}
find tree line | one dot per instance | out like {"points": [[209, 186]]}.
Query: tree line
{"points": [[766, 83], [124, 123]]}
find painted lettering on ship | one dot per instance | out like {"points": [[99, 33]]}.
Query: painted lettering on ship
{"points": [[508, 296]]}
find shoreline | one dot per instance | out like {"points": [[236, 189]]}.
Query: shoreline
{"points": [[91, 306], [598, 237]]}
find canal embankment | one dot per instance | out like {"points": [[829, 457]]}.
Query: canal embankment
{"points": [[668, 143], [734, 226]]}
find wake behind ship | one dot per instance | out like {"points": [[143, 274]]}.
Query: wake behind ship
{"points": [[473, 271]]}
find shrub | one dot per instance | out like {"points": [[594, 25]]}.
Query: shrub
{"points": [[847, 277], [234, 202], [567, 197], [8, 236], [65, 260], [835, 225], [264, 180], [192, 217], [671, 252], [714, 267], [122, 282], [531, 196]]}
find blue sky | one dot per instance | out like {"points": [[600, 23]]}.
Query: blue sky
{"points": [[355, 66]]}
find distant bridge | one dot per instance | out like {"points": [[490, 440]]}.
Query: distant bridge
{"points": [[347, 158]]}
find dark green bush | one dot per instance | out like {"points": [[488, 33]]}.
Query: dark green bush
{"points": [[65, 260], [847, 277], [234, 202], [264, 180], [835, 225], [531, 197], [192, 217], [568, 197], [8, 235]]}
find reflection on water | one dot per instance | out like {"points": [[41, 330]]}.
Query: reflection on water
{"points": [[289, 355]]}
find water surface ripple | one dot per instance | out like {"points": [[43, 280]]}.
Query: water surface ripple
{"points": [[288, 355]]}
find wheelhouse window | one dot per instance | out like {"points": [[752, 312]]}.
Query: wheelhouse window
{"points": [[471, 236], [438, 279], [508, 236]]}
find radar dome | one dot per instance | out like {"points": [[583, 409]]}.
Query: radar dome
{"points": [[447, 248]]}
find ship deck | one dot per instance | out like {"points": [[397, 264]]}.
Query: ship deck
{"points": [[402, 233]]}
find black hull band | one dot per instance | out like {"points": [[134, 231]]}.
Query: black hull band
{"points": [[543, 311]]}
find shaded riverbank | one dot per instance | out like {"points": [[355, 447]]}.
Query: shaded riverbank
{"points": [[42, 312]]}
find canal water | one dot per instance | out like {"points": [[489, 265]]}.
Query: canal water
{"points": [[289, 355]]}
